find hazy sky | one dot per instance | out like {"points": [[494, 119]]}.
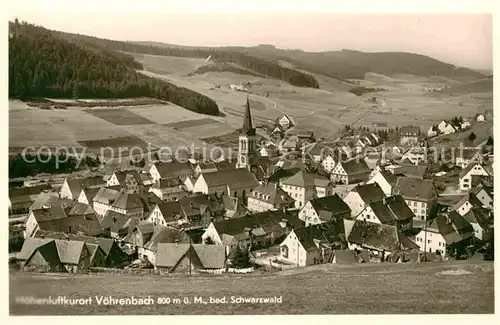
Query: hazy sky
{"points": [[461, 39]]}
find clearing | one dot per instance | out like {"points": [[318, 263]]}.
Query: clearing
{"points": [[321, 289]]}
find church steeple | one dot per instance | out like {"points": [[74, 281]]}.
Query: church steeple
{"points": [[247, 128]]}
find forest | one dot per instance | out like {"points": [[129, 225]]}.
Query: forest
{"points": [[44, 65]]}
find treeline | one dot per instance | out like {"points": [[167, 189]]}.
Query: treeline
{"points": [[43, 65], [31, 165], [257, 65], [358, 91]]}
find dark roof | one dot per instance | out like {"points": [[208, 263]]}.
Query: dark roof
{"points": [[369, 192], [453, 227], [276, 174], [210, 256], [174, 169], [304, 179], [124, 175], [378, 236], [106, 195], [76, 185], [326, 233], [191, 205], [398, 207], [225, 165], [167, 183], [47, 199], [345, 257], [106, 244], [88, 225], [81, 209], [411, 170], [53, 212], [355, 166], [170, 210], [28, 191], [271, 193], [389, 177], [91, 193], [469, 168], [114, 221], [415, 189], [145, 227], [70, 251], [168, 254], [207, 166], [30, 245], [257, 220], [329, 206], [163, 234], [247, 127], [234, 178], [410, 130], [129, 201]]}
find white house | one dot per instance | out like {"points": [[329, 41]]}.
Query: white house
{"points": [[361, 195], [304, 186], [432, 132], [409, 135], [285, 122], [385, 180], [292, 250], [240, 182], [483, 194], [104, 199], [474, 169], [350, 172], [392, 210], [465, 124], [446, 128], [189, 183], [166, 214], [419, 194], [328, 163], [467, 156], [481, 220], [72, 187], [269, 196], [480, 118], [416, 155], [325, 209], [169, 189]]}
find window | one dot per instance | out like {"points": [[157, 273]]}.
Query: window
{"points": [[428, 241], [415, 211], [423, 211]]}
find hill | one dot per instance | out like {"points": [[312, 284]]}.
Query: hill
{"points": [[484, 85], [42, 64]]}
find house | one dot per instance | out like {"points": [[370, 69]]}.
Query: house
{"points": [[379, 239], [444, 231], [480, 118], [386, 180], [130, 180], [116, 225], [324, 209], [481, 220], [285, 122], [291, 144], [74, 255], [113, 254], [260, 229], [484, 194], [168, 170], [169, 189], [465, 204], [269, 196], [40, 254], [350, 172], [205, 167], [361, 195], [268, 151], [313, 245], [72, 187], [433, 131], [465, 124], [86, 196], [391, 210], [132, 205], [412, 171], [189, 183], [465, 176], [189, 258], [304, 186], [145, 238], [20, 199], [168, 214], [419, 194], [417, 155], [104, 199], [305, 137], [468, 156], [408, 135], [201, 209], [239, 182], [445, 128], [328, 163]]}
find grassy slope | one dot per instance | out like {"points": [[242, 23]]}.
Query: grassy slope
{"points": [[324, 289]]}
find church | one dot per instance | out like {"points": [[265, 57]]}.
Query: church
{"points": [[247, 142]]}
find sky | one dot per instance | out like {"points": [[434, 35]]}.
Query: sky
{"points": [[458, 38]]}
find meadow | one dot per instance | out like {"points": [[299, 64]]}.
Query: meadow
{"points": [[322, 289]]}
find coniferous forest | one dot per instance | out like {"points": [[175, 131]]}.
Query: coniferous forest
{"points": [[44, 65]]}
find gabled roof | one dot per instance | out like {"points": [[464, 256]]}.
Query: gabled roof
{"points": [[30, 245], [70, 251], [88, 225], [211, 256], [391, 209], [173, 169], [389, 177], [327, 233], [415, 189], [114, 221], [234, 178], [369, 192], [145, 227], [165, 183], [411, 170], [192, 205], [277, 174], [468, 153], [453, 227], [163, 234], [128, 201], [28, 191], [53, 212], [410, 130], [345, 257], [379, 236], [76, 185], [124, 176], [168, 254], [330, 206], [469, 167], [90, 193], [170, 210], [207, 166], [262, 219], [106, 196], [355, 166], [48, 199], [106, 244], [271, 193], [81, 209], [305, 179]]}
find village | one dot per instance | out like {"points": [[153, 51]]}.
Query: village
{"points": [[289, 200]]}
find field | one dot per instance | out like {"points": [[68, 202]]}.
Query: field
{"points": [[324, 111], [321, 289]]}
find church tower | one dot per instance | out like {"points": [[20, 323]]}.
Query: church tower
{"points": [[247, 141]]}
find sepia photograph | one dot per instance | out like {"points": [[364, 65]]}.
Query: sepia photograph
{"points": [[248, 163]]}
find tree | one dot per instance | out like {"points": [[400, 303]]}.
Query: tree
{"points": [[472, 136], [209, 241], [489, 142], [241, 258]]}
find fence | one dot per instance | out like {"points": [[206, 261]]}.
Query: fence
{"points": [[282, 266], [240, 271]]}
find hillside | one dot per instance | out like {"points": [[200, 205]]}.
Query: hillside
{"points": [[477, 86], [44, 65], [262, 66]]}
